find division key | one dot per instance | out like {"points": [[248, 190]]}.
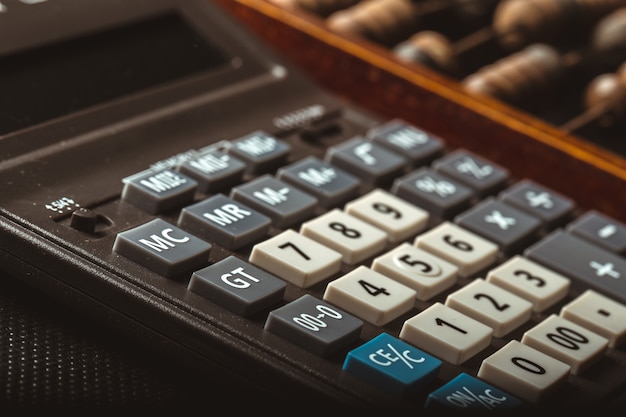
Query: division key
{"points": [[582, 261]]}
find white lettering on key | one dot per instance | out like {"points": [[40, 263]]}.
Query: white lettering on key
{"points": [[465, 397], [163, 242], [607, 231], [604, 269], [227, 214], [272, 197], [470, 166], [238, 282], [318, 177], [407, 139], [163, 181], [542, 199], [387, 358], [497, 218], [210, 163], [257, 145], [430, 185], [363, 153]]}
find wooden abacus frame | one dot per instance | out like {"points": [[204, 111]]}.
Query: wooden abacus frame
{"points": [[371, 77]]}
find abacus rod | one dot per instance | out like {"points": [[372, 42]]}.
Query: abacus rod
{"points": [[434, 6], [474, 39], [583, 119]]}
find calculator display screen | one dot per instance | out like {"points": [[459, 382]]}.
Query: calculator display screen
{"points": [[61, 78]]}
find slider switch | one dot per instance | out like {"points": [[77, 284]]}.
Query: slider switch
{"points": [[84, 220]]}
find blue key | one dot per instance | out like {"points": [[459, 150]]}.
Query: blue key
{"points": [[468, 393], [392, 364]]}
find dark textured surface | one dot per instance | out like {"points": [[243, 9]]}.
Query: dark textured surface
{"points": [[51, 356]]}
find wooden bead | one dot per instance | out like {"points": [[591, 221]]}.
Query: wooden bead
{"points": [[609, 37], [520, 22], [519, 75], [607, 91], [429, 48], [383, 21], [318, 7]]}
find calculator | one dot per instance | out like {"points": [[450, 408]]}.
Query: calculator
{"points": [[165, 172]]}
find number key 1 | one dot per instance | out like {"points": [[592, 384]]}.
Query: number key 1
{"points": [[446, 333]]}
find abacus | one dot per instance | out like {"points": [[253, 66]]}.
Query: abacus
{"points": [[545, 58]]}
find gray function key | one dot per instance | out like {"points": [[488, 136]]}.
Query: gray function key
{"points": [[440, 195], [158, 191], [481, 175], [224, 221], [238, 286], [214, 170], [281, 202], [601, 230], [585, 262], [511, 229], [315, 325], [368, 161], [260, 151], [551, 207], [405, 139], [163, 248], [330, 185]]}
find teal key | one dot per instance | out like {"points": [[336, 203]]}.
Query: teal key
{"points": [[392, 364], [466, 392]]}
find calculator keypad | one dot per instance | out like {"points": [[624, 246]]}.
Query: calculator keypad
{"points": [[447, 333], [354, 238], [418, 269], [567, 342], [163, 248], [441, 196], [591, 265], [279, 201], [296, 258], [600, 314], [531, 281], [222, 220], [392, 365], [394, 258], [314, 324], [468, 251], [370, 295], [160, 191], [525, 371], [237, 285], [399, 219], [492, 305]]}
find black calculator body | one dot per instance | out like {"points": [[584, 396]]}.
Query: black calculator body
{"points": [[150, 148]]}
